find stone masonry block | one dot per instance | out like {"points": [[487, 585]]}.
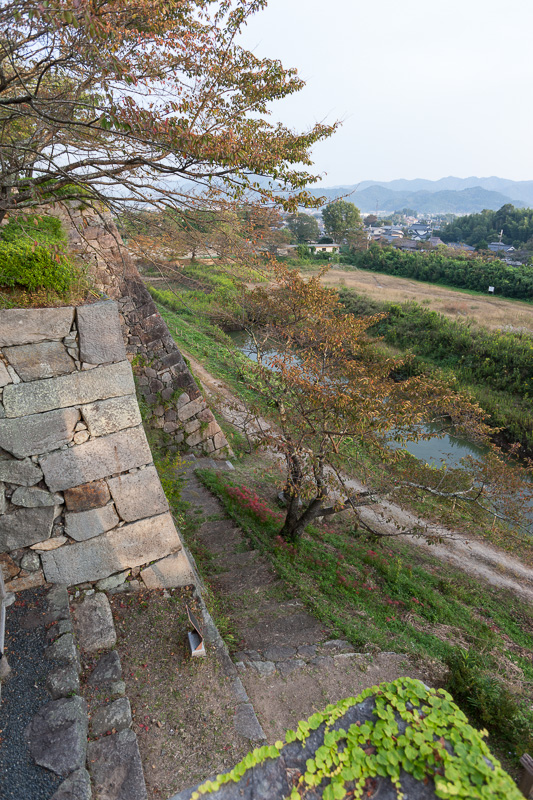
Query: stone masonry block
{"points": [[5, 377], [25, 326], [108, 416], [38, 433], [41, 360], [190, 409], [22, 473], [98, 458], [25, 526], [114, 380], [86, 524], [130, 546], [138, 494], [86, 496], [100, 333]]}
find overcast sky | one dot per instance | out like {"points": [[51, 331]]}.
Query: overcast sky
{"points": [[426, 89]]}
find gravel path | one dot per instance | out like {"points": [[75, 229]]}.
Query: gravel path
{"points": [[22, 696]]}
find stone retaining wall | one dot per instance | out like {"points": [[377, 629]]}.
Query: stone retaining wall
{"points": [[80, 498], [178, 408]]}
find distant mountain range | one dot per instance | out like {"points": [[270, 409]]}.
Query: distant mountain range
{"points": [[447, 195]]}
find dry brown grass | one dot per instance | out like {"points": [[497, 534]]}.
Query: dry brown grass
{"points": [[490, 312]]}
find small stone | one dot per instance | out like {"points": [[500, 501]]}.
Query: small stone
{"points": [[322, 661], [23, 473], [94, 623], [116, 689], [13, 375], [247, 724], [8, 567], [307, 651], [107, 670], [30, 497], [340, 645], [64, 649], [115, 716], [81, 426], [264, 668], [57, 735], [62, 682], [23, 582], [115, 766], [76, 787], [279, 652], [30, 562], [113, 581], [49, 544], [81, 437], [286, 667], [58, 628]]}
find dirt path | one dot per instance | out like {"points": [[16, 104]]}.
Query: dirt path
{"points": [[475, 557]]}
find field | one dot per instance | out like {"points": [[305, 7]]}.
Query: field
{"points": [[490, 312]]}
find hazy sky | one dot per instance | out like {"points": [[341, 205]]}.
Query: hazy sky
{"points": [[426, 89]]}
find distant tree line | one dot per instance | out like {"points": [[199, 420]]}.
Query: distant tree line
{"points": [[478, 230], [464, 272]]}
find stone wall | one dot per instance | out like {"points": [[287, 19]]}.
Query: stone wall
{"points": [[178, 408], [80, 498]]}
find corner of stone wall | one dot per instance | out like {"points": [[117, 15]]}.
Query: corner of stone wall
{"points": [[80, 498], [177, 407]]}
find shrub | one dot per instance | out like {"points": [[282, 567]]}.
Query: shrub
{"points": [[34, 266]]}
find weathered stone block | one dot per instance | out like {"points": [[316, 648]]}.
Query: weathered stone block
{"points": [[192, 426], [113, 717], [44, 360], [138, 494], [57, 735], [107, 670], [23, 473], [25, 526], [174, 570], [5, 377], [130, 546], [86, 524], [8, 567], [86, 496], [109, 416], [94, 624], [187, 411], [50, 544], [100, 335], [20, 584], [113, 380], [24, 326], [115, 766], [194, 439], [76, 787], [37, 433], [96, 459], [30, 497]]}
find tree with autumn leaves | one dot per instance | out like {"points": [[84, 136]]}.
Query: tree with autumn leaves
{"points": [[136, 102], [336, 402]]}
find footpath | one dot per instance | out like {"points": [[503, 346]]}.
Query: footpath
{"points": [[289, 662]]}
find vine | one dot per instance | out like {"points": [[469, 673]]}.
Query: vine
{"points": [[418, 730]]}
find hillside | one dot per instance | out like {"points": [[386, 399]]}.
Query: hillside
{"points": [[464, 201]]}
